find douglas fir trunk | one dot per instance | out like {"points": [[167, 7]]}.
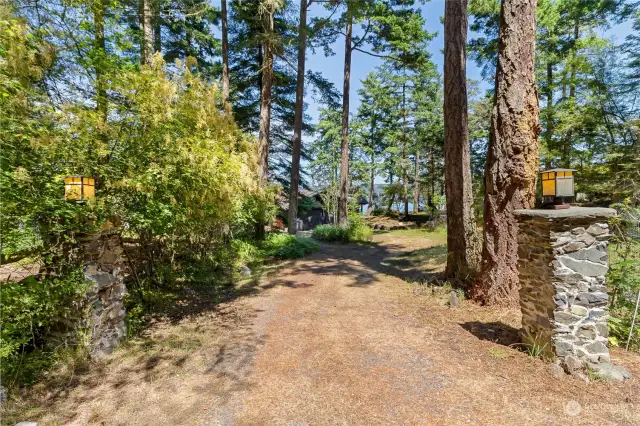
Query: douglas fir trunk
{"points": [[462, 240], [265, 108], [146, 30], [225, 56], [297, 124], [343, 203], [512, 157]]}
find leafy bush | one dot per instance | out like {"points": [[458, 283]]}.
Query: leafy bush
{"points": [[356, 230], [247, 252], [32, 310], [287, 246], [172, 167]]}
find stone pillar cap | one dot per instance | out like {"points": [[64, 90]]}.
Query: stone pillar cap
{"points": [[573, 212]]}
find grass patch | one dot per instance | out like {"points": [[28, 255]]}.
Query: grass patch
{"points": [[287, 246], [355, 231], [498, 353], [594, 376], [438, 234], [275, 246]]}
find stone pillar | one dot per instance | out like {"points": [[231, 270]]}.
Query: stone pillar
{"points": [[562, 267], [103, 265]]}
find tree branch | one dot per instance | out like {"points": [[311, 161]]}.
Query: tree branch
{"points": [[377, 55], [361, 39]]}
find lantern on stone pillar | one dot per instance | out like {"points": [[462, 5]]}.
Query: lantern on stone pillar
{"points": [[79, 188], [557, 184]]}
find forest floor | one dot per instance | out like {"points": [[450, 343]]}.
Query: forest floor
{"points": [[345, 336]]}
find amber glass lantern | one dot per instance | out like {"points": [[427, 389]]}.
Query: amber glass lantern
{"points": [[557, 184], [79, 188]]}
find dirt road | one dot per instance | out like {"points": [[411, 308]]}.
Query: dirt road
{"points": [[341, 337]]}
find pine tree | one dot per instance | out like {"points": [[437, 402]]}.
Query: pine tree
{"points": [[462, 242], [389, 30], [146, 30], [299, 115], [225, 54]]}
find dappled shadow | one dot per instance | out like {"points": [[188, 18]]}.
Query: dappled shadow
{"points": [[225, 364], [496, 332], [213, 352], [363, 262], [285, 283]]}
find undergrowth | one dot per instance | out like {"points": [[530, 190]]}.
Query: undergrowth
{"points": [[356, 230], [287, 246], [623, 279], [35, 314]]}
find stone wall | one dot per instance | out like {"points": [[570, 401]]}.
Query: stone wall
{"points": [[104, 269], [562, 267]]}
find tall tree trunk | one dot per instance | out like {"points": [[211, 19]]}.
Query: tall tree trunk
{"points": [[187, 38], [432, 186], [343, 207], [550, 112], [512, 156], [568, 141], [98, 10], [416, 183], [225, 57], [259, 61], [146, 32], [265, 108], [265, 104], [405, 176], [157, 27], [462, 240], [372, 177], [297, 124]]}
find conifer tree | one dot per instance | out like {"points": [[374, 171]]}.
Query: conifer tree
{"points": [[462, 242], [512, 158]]}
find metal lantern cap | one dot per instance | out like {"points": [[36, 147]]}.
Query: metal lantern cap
{"points": [[79, 188], [558, 183]]}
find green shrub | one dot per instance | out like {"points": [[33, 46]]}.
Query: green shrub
{"points": [[331, 233], [355, 231], [623, 278], [32, 311], [247, 252], [359, 230], [287, 246]]}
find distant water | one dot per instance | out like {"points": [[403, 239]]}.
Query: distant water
{"points": [[396, 206]]}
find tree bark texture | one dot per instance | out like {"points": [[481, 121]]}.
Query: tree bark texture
{"points": [[146, 32], [372, 180], [462, 239], [297, 123], [343, 204], [416, 184], [265, 101], [568, 140], [225, 56], [265, 109], [550, 112], [405, 177], [157, 28], [512, 157]]}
